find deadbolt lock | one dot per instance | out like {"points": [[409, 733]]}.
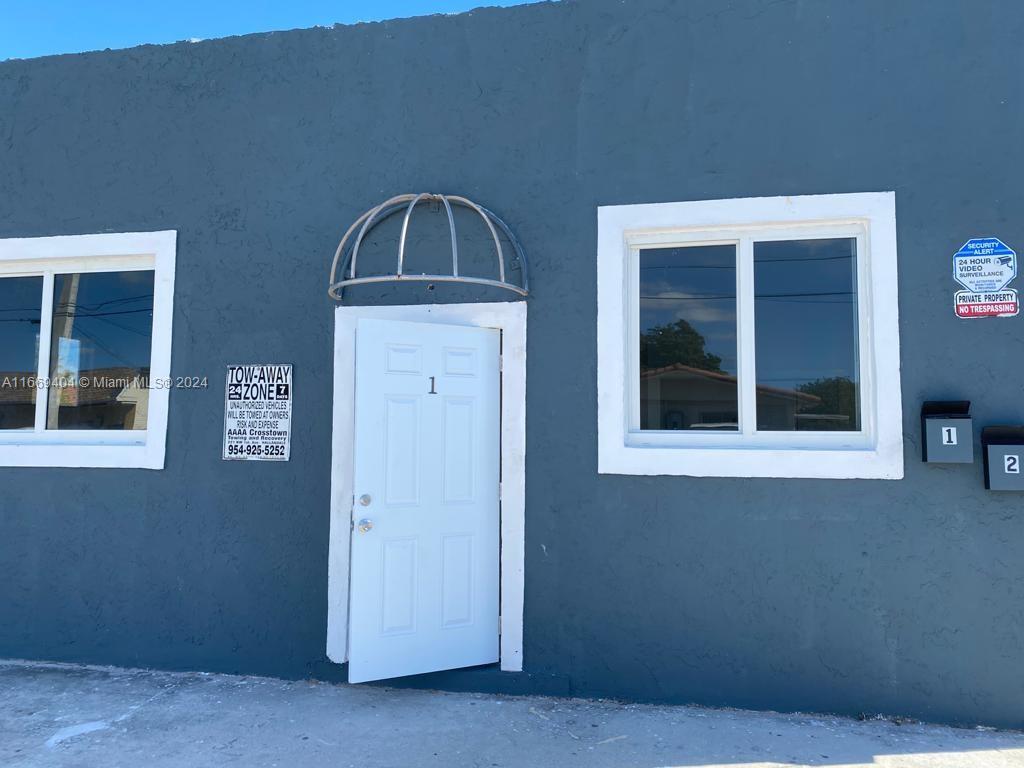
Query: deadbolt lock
{"points": [[365, 499]]}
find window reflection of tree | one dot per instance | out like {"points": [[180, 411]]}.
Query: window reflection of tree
{"points": [[677, 342], [683, 386], [838, 406], [828, 403]]}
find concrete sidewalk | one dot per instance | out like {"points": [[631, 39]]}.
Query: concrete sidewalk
{"points": [[63, 715]]}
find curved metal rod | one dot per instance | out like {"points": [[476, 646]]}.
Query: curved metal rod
{"points": [[451, 230], [405, 229], [490, 226], [354, 256], [520, 254], [381, 216], [336, 287], [368, 224], [341, 246]]}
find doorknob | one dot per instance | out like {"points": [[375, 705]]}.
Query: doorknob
{"points": [[365, 525]]}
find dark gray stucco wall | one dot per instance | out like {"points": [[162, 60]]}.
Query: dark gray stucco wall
{"points": [[899, 597]]}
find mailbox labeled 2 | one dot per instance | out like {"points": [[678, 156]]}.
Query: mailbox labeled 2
{"points": [[1004, 451]]}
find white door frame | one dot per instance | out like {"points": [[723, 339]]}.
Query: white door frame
{"points": [[510, 318]]}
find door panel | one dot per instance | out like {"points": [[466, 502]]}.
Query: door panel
{"points": [[457, 438], [401, 450], [457, 580], [425, 546], [398, 587]]}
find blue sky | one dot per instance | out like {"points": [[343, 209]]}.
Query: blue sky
{"points": [[42, 27]]}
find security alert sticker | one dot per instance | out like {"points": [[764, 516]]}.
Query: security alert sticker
{"points": [[258, 413], [985, 266]]}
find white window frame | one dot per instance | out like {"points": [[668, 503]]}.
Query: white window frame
{"points": [[875, 452], [124, 252]]}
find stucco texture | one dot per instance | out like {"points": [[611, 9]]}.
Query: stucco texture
{"points": [[903, 597]]}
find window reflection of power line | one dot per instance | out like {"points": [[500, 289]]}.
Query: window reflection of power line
{"points": [[103, 347], [806, 380], [758, 260], [698, 297], [78, 305], [733, 266], [688, 266], [76, 315], [808, 301], [107, 320], [92, 307], [102, 314], [709, 297], [790, 295]]}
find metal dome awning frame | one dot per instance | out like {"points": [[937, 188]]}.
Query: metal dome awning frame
{"points": [[379, 213]]}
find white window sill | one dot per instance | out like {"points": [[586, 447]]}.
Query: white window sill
{"points": [[128, 456], [872, 464]]}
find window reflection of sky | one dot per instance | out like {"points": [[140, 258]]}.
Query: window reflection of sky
{"points": [[696, 284], [112, 317], [111, 314], [20, 308], [805, 311]]}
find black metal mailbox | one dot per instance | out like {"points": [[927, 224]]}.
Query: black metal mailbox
{"points": [[947, 432], [1003, 450]]}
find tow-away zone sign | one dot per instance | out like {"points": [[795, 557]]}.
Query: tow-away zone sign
{"points": [[258, 412], [997, 304]]}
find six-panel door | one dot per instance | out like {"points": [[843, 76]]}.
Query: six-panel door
{"points": [[425, 540]]}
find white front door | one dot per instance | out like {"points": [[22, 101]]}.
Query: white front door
{"points": [[425, 541]]}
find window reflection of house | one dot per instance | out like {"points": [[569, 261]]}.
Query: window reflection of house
{"points": [[114, 398], [682, 397], [17, 399]]}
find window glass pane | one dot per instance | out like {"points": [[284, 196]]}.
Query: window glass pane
{"points": [[99, 355], [805, 313], [688, 338], [21, 301]]}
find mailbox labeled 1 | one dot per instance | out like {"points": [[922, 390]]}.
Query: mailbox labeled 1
{"points": [[1004, 452], [947, 432]]}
